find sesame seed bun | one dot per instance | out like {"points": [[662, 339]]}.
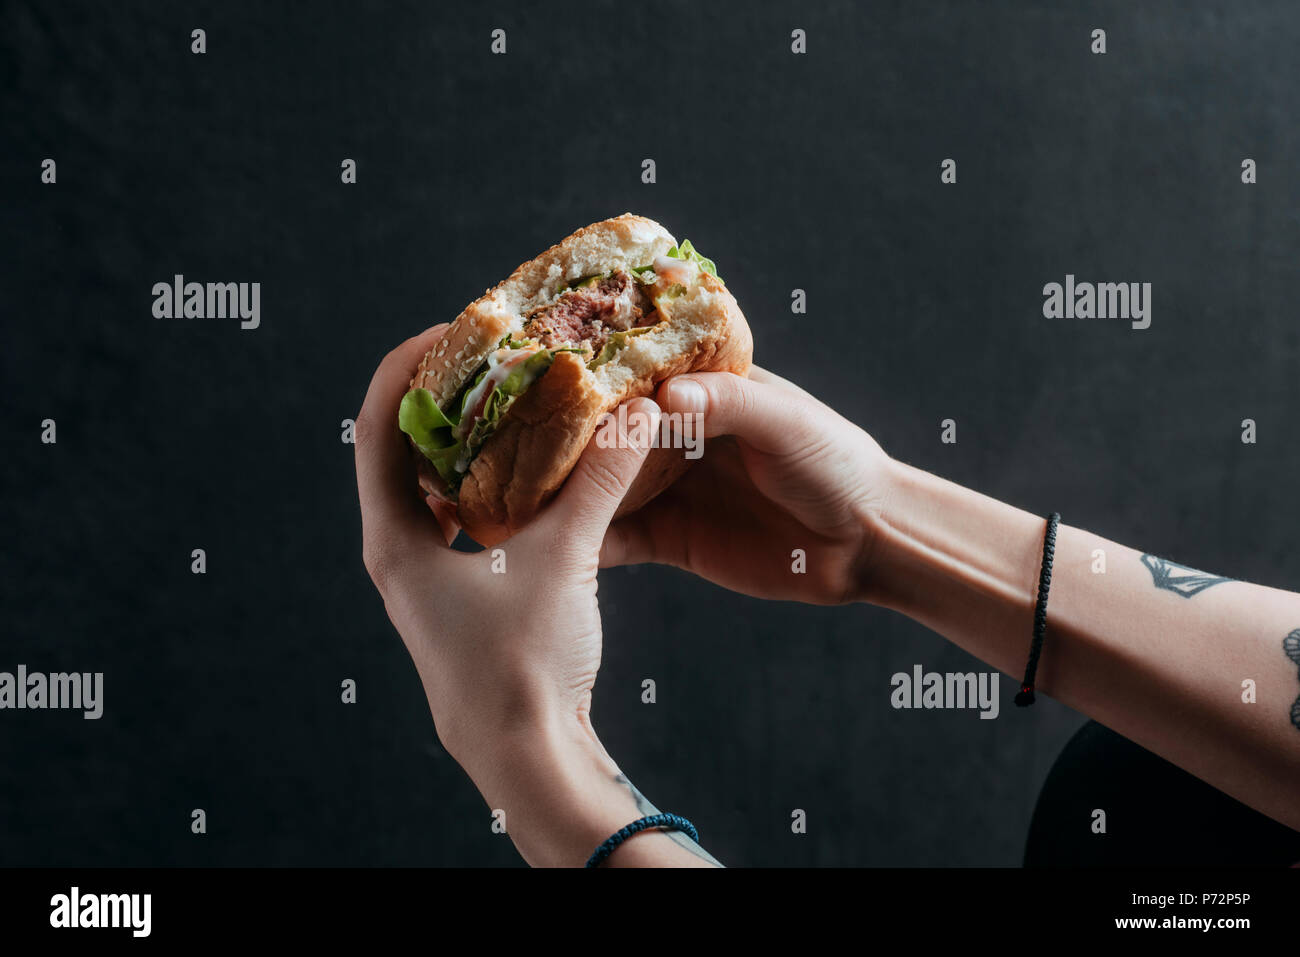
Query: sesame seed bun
{"points": [[526, 459]]}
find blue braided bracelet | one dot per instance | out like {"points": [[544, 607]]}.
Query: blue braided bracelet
{"points": [[671, 822]]}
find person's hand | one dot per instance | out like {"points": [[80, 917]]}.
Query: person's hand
{"points": [[507, 641], [509, 636], [780, 505]]}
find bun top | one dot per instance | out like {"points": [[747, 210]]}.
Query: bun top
{"points": [[624, 242]]}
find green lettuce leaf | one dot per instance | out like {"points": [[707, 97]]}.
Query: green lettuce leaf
{"points": [[507, 391], [444, 460], [421, 419], [580, 283], [615, 342], [523, 375], [431, 431], [687, 252]]}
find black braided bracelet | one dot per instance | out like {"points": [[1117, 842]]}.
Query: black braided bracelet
{"points": [[671, 822], [1026, 695]]}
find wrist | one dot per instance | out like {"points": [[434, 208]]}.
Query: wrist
{"points": [[874, 569], [490, 735], [868, 565], [556, 786], [936, 544], [480, 715], [562, 796]]}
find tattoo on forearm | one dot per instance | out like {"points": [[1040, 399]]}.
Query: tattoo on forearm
{"points": [[1179, 579], [647, 809], [1291, 645]]}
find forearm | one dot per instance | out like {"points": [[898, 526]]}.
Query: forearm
{"points": [[1163, 667], [563, 796]]}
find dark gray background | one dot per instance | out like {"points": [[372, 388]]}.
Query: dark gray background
{"points": [[817, 171]]}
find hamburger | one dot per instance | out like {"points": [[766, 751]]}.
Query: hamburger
{"points": [[501, 408]]}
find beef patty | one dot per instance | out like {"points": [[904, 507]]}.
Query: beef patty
{"points": [[587, 315]]}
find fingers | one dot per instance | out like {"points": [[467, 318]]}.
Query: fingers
{"points": [[448, 521], [759, 374], [386, 479], [769, 417], [630, 541], [597, 484]]}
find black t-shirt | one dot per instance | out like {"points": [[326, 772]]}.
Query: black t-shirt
{"points": [[1156, 814]]}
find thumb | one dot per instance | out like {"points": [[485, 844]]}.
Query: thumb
{"points": [[611, 461], [771, 418]]}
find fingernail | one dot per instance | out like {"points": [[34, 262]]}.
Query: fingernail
{"points": [[687, 395]]}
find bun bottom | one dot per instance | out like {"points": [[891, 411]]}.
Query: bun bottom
{"points": [[662, 467]]}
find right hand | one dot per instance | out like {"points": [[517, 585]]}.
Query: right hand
{"points": [[781, 472]]}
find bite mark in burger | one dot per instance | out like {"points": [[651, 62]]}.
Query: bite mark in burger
{"points": [[602, 317]]}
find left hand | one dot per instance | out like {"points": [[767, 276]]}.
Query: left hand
{"points": [[507, 641], [508, 637]]}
